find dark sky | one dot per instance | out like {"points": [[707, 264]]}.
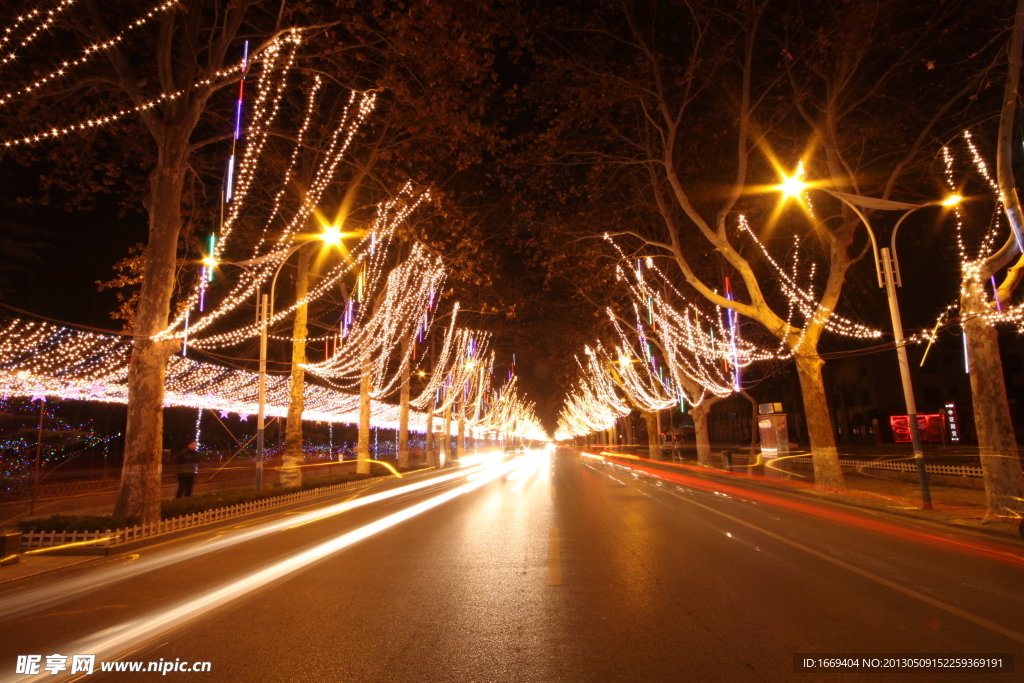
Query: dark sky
{"points": [[550, 319]]}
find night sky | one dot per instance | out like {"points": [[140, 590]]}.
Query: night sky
{"points": [[542, 306]]}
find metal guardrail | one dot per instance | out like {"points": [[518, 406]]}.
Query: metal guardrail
{"points": [[115, 537], [952, 470]]}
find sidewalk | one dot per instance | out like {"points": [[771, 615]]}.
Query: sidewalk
{"points": [[38, 564]]}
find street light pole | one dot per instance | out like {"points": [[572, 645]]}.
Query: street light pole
{"points": [[888, 270], [908, 389], [264, 304], [331, 236], [888, 277], [266, 311]]}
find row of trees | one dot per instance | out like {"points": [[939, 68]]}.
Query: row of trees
{"points": [[143, 104], [679, 120]]}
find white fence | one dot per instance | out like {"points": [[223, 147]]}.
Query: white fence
{"points": [[904, 466], [115, 537]]}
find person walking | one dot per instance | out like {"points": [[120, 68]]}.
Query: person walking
{"points": [[186, 463]]}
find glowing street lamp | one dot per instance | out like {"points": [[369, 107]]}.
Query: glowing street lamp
{"points": [[792, 186], [331, 236], [888, 269]]}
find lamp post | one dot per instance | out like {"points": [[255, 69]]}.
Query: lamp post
{"points": [[888, 270], [331, 236]]}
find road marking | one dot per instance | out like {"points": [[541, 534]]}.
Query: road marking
{"points": [[984, 623], [554, 559]]}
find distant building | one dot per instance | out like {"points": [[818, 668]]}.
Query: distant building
{"points": [[864, 392]]}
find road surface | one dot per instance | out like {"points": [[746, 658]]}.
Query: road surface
{"points": [[548, 567]]}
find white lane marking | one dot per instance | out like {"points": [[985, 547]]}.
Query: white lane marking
{"points": [[956, 611]]}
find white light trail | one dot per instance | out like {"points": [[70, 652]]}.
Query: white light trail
{"points": [[110, 643], [69, 589]]}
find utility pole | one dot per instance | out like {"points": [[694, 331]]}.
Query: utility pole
{"points": [[260, 425]]}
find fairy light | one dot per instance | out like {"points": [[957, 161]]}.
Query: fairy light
{"points": [[45, 23], [43, 359], [375, 331], [696, 350], [403, 297], [87, 54], [802, 300], [267, 254], [199, 423], [100, 121], [973, 261]]}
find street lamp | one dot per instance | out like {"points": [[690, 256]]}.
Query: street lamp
{"points": [[888, 269], [330, 237]]}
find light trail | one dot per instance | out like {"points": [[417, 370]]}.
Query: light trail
{"points": [[525, 474], [111, 643], [991, 551], [69, 589]]}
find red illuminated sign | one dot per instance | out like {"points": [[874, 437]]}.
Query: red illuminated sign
{"points": [[930, 427]]}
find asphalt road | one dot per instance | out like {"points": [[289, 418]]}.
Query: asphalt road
{"points": [[546, 568]]}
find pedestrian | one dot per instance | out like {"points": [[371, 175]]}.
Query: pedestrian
{"points": [[186, 464]]}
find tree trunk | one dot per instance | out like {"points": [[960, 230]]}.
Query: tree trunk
{"points": [[755, 432], [699, 414], [403, 421], [446, 444], [1000, 463], [827, 472], [431, 442], [292, 460], [653, 437], [139, 493], [363, 461]]}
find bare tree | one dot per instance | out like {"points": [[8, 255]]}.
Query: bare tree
{"points": [[671, 102]]}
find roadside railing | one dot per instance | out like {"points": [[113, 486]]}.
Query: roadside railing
{"points": [[114, 537], [903, 466]]}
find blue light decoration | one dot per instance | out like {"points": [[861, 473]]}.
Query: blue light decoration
{"points": [[995, 294], [229, 186], [63, 440], [967, 361]]}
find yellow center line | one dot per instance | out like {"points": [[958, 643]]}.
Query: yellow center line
{"points": [[554, 559]]}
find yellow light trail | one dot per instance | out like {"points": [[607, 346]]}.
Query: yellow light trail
{"points": [[112, 642], [69, 589]]}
